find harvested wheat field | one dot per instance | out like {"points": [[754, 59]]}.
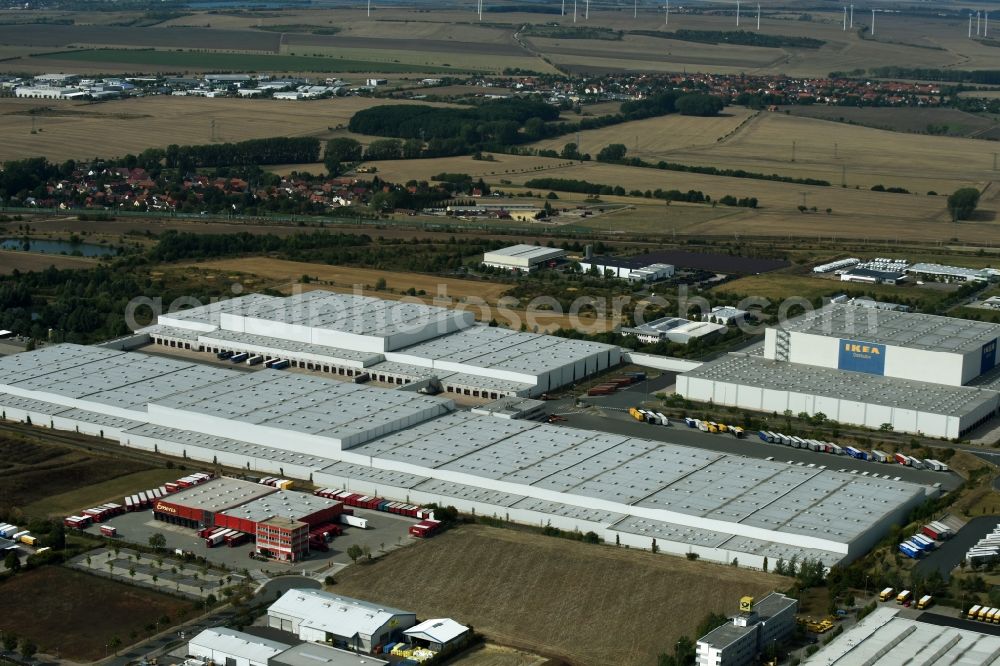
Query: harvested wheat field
{"points": [[481, 298], [653, 138], [24, 262], [861, 155], [559, 598], [81, 130], [347, 277]]}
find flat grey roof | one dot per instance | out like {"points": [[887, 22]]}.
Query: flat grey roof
{"points": [[282, 504], [306, 404], [751, 370], [314, 654], [226, 445], [643, 473], [902, 329], [501, 348], [529, 252], [219, 494], [766, 607], [885, 639], [350, 313], [333, 353]]}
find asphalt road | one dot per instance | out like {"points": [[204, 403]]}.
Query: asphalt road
{"points": [[630, 396], [946, 557], [959, 623], [622, 424]]}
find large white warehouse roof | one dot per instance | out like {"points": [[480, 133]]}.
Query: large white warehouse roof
{"points": [[885, 639], [343, 434], [901, 329]]}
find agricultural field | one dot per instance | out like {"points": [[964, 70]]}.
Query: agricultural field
{"points": [[779, 286], [479, 297], [11, 261], [862, 156], [913, 120], [653, 139], [34, 470], [188, 61], [113, 490], [67, 129], [497, 655], [543, 592], [66, 624]]}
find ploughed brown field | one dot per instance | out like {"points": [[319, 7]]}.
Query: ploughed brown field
{"points": [[557, 597]]}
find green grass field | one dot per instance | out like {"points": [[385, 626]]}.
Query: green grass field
{"points": [[239, 61], [111, 490]]}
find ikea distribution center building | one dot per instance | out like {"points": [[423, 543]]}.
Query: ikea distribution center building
{"points": [[924, 374]]}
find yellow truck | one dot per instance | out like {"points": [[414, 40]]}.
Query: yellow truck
{"points": [[989, 615], [887, 593], [904, 597], [973, 613], [925, 602], [983, 612], [636, 414]]}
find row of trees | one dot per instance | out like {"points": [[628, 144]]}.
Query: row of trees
{"points": [[586, 187], [492, 123], [741, 37], [275, 150]]}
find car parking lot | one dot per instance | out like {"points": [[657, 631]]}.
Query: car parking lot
{"points": [[385, 532]]}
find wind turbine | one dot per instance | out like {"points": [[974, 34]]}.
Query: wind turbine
{"points": [[845, 17], [737, 13], [635, 9], [873, 23], [574, 11], [666, 20], [970, 25], [978, 21], [758, 17], [563, 12], [852, 17], [586, 14]]}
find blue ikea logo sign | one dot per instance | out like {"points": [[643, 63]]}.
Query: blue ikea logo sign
{"points": [[858, 356], [989, 358]]}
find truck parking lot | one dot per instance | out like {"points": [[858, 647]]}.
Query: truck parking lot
{"points": [[620, 422], [385, 532]]}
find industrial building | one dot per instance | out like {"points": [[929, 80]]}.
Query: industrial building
{"points": [[673, 329], [314, 654], [942, 273], [281, 522], [864, 366], [906, 345], [419, 449], [758, 625], [872, 276], [198, 506], [726, 315], [220, 645], [390, 341], [634, 270], [321, 617], [752, 382], [883, 638], [437, 634], [523, 258], [228, 647]]}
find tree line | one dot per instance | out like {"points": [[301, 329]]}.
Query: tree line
{"points": [[275, 150], [982, 76], [740, 37], [586, 187]]}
